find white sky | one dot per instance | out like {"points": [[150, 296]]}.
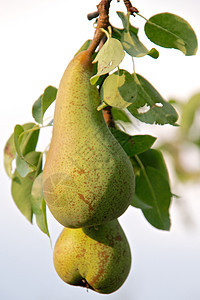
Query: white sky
{"points": [[38, 39]]}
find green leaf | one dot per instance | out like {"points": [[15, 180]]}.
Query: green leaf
{"points": [[152, 191], [117, 33], [27, 144], [26, 166], [160, 195], [22, 167], [188, 113], [120, 115], [126, 23], [119, 89], [38, 204], [130, 40], [84, 47], [171, 31], [132, 44], [154, 159], [18, 130], [21, 187], [41, 105], [153, 53], [133, 145], [149, 106], [108, 58]]}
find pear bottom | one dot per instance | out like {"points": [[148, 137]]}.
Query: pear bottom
{"points": [[97, 258]]}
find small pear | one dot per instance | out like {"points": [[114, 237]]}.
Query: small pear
{"points": [[97, 258], [88, 178]]}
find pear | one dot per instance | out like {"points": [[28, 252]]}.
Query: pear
{"points": [[97, 258], [88, 178]]}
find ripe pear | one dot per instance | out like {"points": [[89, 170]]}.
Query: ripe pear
{"points": [[88, 178], [97, 258]]}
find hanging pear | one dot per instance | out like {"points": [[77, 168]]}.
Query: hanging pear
{"points": [[96, 258], [88, 178]]}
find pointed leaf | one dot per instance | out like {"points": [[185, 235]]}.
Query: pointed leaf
{"points": [[154, 158], [108, 58], [38, 204], [152, 188], [171, 31], [21, 187], [41, 105], [149, 106], [119, 89]]}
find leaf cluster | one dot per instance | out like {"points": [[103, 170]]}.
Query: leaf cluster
{"points": [[24, 165], [126, 94]]}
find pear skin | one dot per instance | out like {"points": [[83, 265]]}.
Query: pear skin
{"points": [[88, 178], [97, 258]]}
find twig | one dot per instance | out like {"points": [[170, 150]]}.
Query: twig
{"points": [[130, 7], [93, 15]]}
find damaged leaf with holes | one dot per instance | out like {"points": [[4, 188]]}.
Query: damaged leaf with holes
{"points": [[149, 106], [108, 58]]}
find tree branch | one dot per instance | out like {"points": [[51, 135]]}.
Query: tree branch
{"points": [[107, 113], [103, 22], [93, 15]]}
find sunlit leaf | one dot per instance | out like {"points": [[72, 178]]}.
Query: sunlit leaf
{"points": [[119, 89], [108, 58]]}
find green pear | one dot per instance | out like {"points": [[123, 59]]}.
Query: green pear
{"points": [[97, 258], [88, 178]]}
